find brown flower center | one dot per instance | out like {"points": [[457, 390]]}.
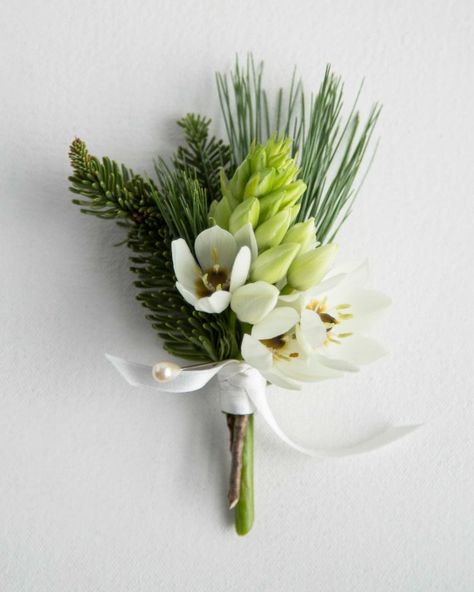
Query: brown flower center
{"points": [[216, 278], [277, 345]]}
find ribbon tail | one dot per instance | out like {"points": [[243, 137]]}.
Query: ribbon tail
{"points": [[188, 380], [134, 373], [247, 395], [383, 438]]}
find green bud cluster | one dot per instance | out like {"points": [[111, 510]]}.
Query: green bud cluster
{"points": [[264, 191]]}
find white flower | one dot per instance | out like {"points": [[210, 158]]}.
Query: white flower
{"points": [[273, 348], [317, 334], [335, 317], [223, 268]]}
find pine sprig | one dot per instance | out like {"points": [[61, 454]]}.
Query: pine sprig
{"points": [[331, 149], [244, 106]]}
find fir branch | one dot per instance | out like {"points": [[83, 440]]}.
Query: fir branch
{"points": [[331, 149], [182, 202], [114, 192], [202, 157], [111, 190]]}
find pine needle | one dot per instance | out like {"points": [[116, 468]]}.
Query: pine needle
{"points": [[331, 149]]}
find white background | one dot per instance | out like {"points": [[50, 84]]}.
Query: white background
{"points": [[112, 489]]}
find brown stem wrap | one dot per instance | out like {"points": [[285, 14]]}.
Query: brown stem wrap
{"points": [[237, 425]]}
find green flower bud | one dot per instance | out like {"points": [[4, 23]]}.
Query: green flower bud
{"points": [[270, 233], [294, 210], [272, 265], [303, 233], [219, 212], [236, 186], [308, 269], [246, 212], [278, 151], [269, 174], [251, 188], [270, 205], [292, 193]]}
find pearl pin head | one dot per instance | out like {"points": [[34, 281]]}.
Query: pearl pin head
{"points": [[165, 371]]}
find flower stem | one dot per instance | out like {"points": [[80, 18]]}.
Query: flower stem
{"points": [[244, 511], [238, 424]]}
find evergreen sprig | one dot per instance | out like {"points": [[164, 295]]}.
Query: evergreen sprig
{"points": [[113, 191], [182, 202], [331, 149], [186, 333], [202, 157]]}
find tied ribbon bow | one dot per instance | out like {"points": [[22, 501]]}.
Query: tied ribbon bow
{"points": [[242, 391]]}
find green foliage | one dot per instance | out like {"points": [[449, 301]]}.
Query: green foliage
{"points": [[330, 148], [331, 158], [113, 191], [186, 333], [245, 108], [182, 202], [264, 191], [330, 152], [202, 157]]}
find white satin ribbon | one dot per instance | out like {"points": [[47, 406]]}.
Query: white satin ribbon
{"points": [[242, 391]]}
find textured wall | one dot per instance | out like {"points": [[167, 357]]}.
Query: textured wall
{"points": [[110, 489]]}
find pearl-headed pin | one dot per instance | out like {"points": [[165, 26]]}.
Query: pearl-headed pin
{"points": [[165, 371]]}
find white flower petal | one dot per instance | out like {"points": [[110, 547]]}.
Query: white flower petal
{"points": [[186, 294], [367, 302], [366, 307], [277, 322], [240, 269], [252, 302], [311, 332], [278, 379], [336, 363], [356, 275], [327, 285], [215, 246], [215, 303], [308, 370], [358, 350], [245, 237], [359, 276], [256, 354], [296, 300], [185, 267]]}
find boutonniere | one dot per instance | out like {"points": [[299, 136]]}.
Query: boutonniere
{"points": [[233, 248]]}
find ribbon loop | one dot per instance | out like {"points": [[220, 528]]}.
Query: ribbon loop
{"points": [[242, 391]]}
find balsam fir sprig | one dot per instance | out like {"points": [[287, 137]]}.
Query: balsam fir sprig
{"points": [[113, 191]]}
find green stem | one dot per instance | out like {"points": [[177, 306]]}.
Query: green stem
{"points": [[244, 511]]}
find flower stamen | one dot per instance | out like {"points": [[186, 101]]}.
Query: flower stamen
{"points": [[215, 279], [279, 345]]}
